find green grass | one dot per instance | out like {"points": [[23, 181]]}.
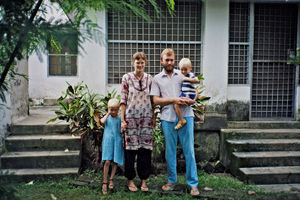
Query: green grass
{"points": [[224, 187]]}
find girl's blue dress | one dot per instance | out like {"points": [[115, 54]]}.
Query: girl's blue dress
{"points": [[112, 147]]}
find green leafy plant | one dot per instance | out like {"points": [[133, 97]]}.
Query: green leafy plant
{"points": [[199, 105], [8, 190], [81, 108], [294, 59]]}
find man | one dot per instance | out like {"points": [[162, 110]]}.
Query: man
{"points": [[165, 89]]}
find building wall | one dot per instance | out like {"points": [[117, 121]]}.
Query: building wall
{"points": [[215, 52], [92, 67], [19, 93], [5, 116], [16, 106], [91, 64]]}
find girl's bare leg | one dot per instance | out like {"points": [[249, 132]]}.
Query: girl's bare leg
{"points": [[112, 175], [105, 174]]}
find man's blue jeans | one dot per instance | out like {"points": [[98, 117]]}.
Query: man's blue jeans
{"points": [[186, 139]]}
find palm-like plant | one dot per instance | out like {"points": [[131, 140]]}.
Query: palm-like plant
{"points": [[81, 108]]}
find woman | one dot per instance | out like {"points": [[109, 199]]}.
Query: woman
{"points": [[137, 118]]}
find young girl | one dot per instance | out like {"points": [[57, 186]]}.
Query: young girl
{"points": [[112, 148], [187, 88]]}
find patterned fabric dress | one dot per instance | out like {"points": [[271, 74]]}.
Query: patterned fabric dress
{"points": [[138, 114]]}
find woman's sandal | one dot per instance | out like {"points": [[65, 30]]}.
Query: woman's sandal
{"points": [[180, 124], [144, 188], [104, 190], [132, 188], [111, 184], [168, 187], [194, 191]]}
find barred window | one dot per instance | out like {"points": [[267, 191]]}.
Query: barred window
{"points": [[126, 35], [63, 63], [238, 43]]}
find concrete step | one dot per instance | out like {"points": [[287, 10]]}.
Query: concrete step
{"points": [[47, 129], [40, 159], [42, 142], [260, 134], [270, 175], [263, 125], [246, 145], [33, 174], [294, 188], [266, 158]]}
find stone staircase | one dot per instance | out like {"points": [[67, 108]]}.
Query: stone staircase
{"points": [[35, 149], [263, 153]]}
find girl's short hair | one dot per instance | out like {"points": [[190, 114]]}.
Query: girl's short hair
{"points": [[113, 103], [139, 55], [185, 62]]}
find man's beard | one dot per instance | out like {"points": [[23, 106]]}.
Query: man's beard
{"points": [[168, 68]]}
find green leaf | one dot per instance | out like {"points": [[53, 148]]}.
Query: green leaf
{"points": [[52, 120], [200, 77], [204, 98], [92, 123], [91, 111]]}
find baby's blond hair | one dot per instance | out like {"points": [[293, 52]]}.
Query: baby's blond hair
{"points": [[113, 103], [185, 62]]}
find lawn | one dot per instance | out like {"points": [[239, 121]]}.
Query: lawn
{"points": [[88, 187]]}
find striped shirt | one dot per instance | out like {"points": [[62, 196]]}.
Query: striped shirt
{"points": [[188, 88]]}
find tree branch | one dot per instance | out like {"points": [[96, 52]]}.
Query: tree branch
{"points": [[19, 43]]}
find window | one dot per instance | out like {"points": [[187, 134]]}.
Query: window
{"points": [[126, 35], [238, 43], [63, 63]]}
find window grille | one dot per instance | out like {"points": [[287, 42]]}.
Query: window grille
{"points": [[273, 82], [126, 35], [63, 63], [238, 43]]}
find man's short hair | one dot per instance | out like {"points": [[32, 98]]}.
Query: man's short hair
{"points": [[167, 51], [139, 55]]}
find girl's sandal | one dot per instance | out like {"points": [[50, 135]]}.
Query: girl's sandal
{"points": [[168, 187], [104, 190], [194, 191], [111, 184]]}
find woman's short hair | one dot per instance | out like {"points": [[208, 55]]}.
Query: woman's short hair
{"points": [[113, 103], [139, 55], [167, 51]]}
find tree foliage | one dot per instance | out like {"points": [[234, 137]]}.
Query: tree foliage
{"points": [[295, 58], [25, 28]]}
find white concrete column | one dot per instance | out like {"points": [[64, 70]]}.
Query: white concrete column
{"points": [[215, 49]]}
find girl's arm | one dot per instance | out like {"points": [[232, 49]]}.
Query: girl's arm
{"points": [[103, 119]]}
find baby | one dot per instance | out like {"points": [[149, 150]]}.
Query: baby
{"points": [[187, 88]]}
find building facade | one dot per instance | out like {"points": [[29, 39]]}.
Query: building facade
{"points": [[241, 47]]}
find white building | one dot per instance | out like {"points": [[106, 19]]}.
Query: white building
{"points": [[241, 47]]}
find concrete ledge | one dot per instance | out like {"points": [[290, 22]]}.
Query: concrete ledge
{"points": [[212, 121], [269, 175], [19, 175]]}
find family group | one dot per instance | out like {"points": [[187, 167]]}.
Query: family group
{"points": [[129, 123]]}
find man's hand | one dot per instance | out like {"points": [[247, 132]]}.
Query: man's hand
{"points": [[184, 101], [187, 101]]}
